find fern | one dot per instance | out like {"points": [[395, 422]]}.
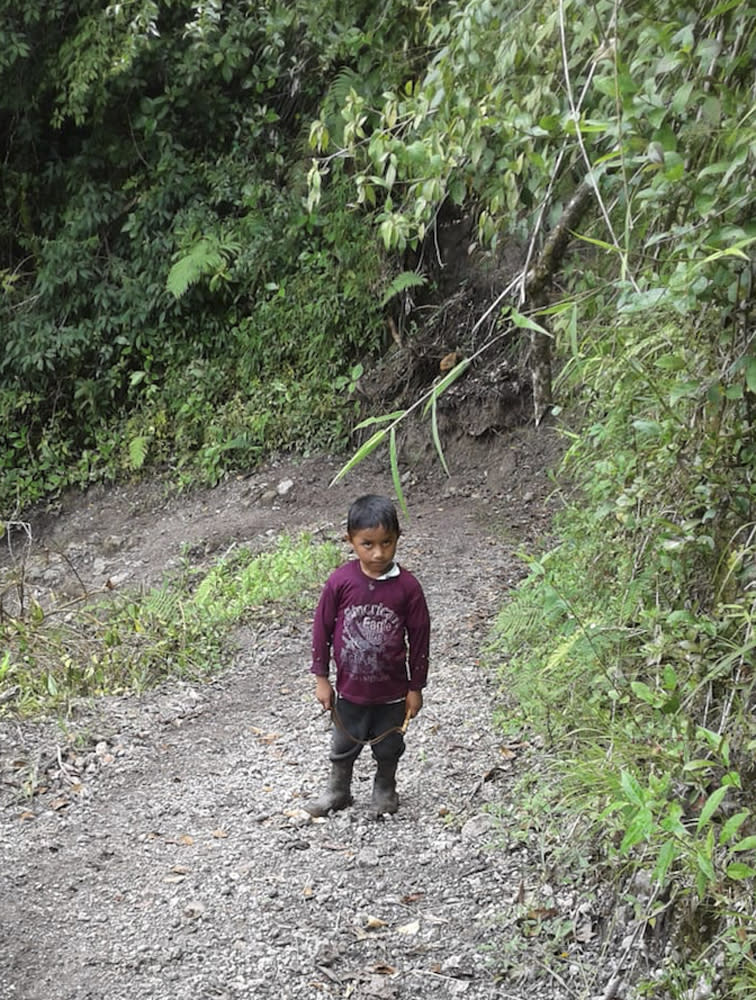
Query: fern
{"points": [[403, 281], [138, 451], [345, 80], [204, 258]]}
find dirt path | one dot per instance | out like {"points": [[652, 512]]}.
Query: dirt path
{"points": [[170, 858]]}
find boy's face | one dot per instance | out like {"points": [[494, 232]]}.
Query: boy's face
{"points": [[375, 548]]}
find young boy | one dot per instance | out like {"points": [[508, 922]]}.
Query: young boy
{"points": [[371, 610]]}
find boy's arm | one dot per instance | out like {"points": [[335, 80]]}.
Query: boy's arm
{"points": [[324, 692], [414, 703], [418, 635], [322, 636]]}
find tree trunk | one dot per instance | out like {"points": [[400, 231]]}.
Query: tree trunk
{"points": [[537, 284]]}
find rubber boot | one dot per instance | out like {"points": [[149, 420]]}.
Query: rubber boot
{"points": [[385, 799], [338, 791]]}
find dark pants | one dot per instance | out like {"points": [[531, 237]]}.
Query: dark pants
{"points": [[353, 724]]}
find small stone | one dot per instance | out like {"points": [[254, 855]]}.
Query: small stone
{"points": [[478, 826], [113, 544], [368, 858]]}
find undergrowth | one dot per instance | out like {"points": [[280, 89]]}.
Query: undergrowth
{"points": [[630, 646], [54, 657]]}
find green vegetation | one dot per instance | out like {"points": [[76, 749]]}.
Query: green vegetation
{"points": [[630, 647], [209, 208], [183, 628], [167, 300]]}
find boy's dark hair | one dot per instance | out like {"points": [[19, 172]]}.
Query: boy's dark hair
{"points": [[372, 511]]}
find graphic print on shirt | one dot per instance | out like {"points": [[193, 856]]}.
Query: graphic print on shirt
{"points": [[367, 630]]}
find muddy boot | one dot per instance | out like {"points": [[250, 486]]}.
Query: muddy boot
{"points": [[338, 791], [385, 799]]}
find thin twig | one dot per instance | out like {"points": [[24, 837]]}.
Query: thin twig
{"points": [[556, 976], [64, 769], [574, 110], [24, 526]]}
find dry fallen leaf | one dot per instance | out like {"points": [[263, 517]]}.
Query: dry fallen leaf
{"points": [[411, 928], [265, 737], [542, 913], [186, 840], [220, 834], [373, 923]]}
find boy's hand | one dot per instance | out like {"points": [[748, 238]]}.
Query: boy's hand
{"points": [[414, 703], [324, 693]]}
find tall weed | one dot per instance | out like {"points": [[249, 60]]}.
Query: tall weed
{"points": [[630, 646]]}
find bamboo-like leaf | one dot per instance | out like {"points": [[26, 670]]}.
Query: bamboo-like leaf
{"points": [[436, 438], [596, 242], [711, 805], [446, 381], [564, 305], [639, 827], [667, 855], [736, 250], [732, 826], [738, 870], [748, 844], [369, 446], [394, 460], [525, 323], [706, 867], [383, 419], [632, 789]]}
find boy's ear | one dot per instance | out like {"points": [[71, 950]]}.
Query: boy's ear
{"points": [[346, 537]]}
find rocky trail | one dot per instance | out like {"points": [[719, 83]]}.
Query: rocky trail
{"points": [[156, 846]]}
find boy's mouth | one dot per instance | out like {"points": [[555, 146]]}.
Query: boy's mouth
{"points": [[377, 568]]}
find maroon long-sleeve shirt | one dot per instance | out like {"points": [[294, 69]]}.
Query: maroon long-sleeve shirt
{"points": [[378, 632]]}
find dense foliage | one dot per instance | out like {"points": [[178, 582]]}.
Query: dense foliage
{"points": [[166, 296], [205, 206]]}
